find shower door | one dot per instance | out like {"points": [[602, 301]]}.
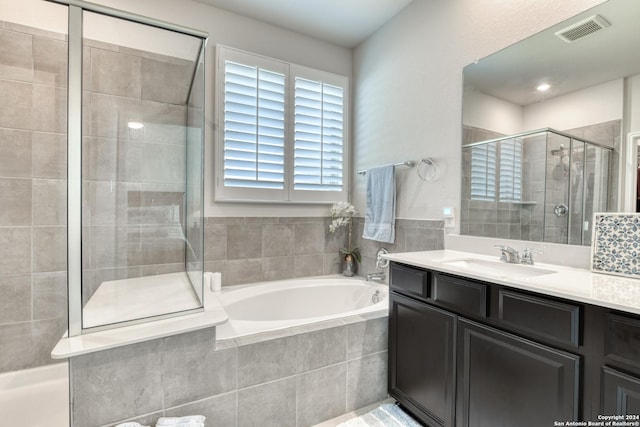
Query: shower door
{"points": [[142, 171]]}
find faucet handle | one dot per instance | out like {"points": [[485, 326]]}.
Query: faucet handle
{"points": [[503, 251], [527, 255]]}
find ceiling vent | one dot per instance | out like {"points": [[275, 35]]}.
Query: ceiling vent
{"points": [[583, 29]]}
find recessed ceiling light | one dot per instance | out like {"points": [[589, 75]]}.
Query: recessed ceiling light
{"points": [[135, 125], [543, 87]]}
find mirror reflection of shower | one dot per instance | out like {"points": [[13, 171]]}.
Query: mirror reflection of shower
{"points": [[560, 173], [542, 185]]}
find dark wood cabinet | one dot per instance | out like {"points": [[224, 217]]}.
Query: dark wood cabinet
{"points": [[422, 359], [506, 380], [467, 353], [620, 393]]}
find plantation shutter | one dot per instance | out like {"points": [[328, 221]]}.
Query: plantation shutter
{"points": [[483, 172], [510, 170], [318, 136], [254, 127]]}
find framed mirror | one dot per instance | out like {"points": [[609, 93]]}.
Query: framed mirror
{"points": [[550, 129]]}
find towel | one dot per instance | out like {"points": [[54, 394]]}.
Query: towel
{"points": [[380, 217], [187, 421]]}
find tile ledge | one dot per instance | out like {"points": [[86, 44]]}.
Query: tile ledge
{"points": [[126, 335]]}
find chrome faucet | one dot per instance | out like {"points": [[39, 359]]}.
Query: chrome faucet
{"points": [[378, 277], [527, 255], [508, 254]]}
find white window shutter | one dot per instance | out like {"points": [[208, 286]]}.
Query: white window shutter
{"points": [[318, 136], [254, 127], [483, 172]]}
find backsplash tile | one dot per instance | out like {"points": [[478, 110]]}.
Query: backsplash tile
{"points": [[254, 249], [616, 244]]}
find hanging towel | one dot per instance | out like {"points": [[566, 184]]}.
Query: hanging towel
{"points": [[380, 217]]}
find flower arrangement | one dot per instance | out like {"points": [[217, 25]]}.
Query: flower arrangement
{"points": [[342, 216]]}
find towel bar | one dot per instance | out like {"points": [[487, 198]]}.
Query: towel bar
{"points": [[410, 163]]}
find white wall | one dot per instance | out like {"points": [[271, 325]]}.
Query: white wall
{"points": [[488, 112], [596, 104], [408, 87], [633, 103]]}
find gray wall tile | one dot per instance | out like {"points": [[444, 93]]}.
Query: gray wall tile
{"points": [[49, 61], [307, 265], [268, 405], [220, 411], [49, 249], [49, 155], [15, 250], [309, 238], [16, 344], [15, 153], [321, 395], [192, 370], [165, 81], [49, 202], [277, 240], [115, 73], [50, 296], [266, 361], [321, 348], [17, 60], [215, 238], [15, 200], [367, 337], [116, 384], [49, 109], [244, 241], [277, 268], [15, 300], [15, 108], [366, 380]]}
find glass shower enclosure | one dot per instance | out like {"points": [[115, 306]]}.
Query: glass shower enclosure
{"points": [[541, 186], [135, 195]]}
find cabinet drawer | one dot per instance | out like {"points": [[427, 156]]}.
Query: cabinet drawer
{"points": [[460, 294], [409, 281], [541, 316], [622, 341]]}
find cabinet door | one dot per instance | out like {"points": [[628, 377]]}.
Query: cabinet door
{"points": [[422, 359], [620, 393], [505, 380]]}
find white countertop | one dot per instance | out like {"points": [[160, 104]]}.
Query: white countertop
{"points": [[576, 284]]}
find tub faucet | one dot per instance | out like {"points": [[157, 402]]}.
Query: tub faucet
{"points": [[378, 277]]}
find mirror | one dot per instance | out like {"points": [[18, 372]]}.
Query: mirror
{"points": [[551, 115]]}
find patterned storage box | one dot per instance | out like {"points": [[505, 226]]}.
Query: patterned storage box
{"points": [[615, 247]]}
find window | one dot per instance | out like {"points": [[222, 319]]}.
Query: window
{"points": [[496, 168], [282, 131]]}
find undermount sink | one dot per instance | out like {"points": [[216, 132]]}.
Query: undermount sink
{"points": [[498, 268]]}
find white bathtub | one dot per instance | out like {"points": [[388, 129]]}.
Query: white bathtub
{"points": [[282, 304], [37, 397]]}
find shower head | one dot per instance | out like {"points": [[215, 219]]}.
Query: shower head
{"points": [[560, 151]]}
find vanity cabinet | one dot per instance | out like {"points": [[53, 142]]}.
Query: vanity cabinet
{"points": [[506, 380], [421, 358], [465, 352]]}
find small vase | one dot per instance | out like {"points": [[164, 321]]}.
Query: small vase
{"points": [[349, 267]]}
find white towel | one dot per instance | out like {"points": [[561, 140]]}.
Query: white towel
{"points": [[380, 217], [187, 421]]}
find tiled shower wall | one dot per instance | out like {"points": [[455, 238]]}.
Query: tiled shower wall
{"points": [[33, 172], [255, 249], [134, 179]]}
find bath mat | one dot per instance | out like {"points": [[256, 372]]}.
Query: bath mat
{"points": [[385, 415]]}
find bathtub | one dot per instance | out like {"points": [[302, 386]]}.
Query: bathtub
{"points": [[37, 397], [283, 304]]}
